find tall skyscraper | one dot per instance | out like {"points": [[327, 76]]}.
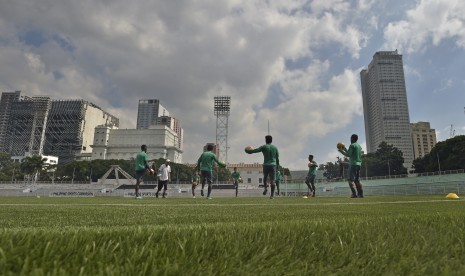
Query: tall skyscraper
{"points": [[148, 112], [385, 104], [423, 138], [7, 99]]}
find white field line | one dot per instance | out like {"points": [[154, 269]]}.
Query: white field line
{"points": [[234, 204]]}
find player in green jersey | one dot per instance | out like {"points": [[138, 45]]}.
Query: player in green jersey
{"points": [[195, 181], [235, 177], [310, 179], [270, 163], [205, 166], [355, 162], [142, 166]]}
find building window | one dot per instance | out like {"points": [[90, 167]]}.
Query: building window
{"points": [[260, 181], [249, 180]]}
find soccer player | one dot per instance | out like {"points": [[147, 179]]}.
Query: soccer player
{"points": [[235, 177], [310, 179], [270, 163], [277, 180], [164, 178], [355, 161], [142, 166], [195, 181], [205, 166]]}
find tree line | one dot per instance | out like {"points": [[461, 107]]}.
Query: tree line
{"points": [[34, 168], [388, 160]]}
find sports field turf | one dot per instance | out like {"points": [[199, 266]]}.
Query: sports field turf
{"points": [[414, 235]]}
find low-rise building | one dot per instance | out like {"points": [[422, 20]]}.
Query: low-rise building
{"points": [[113, 143], [423, 138]]}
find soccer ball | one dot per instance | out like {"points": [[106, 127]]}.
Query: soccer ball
{"points": [[248, 149], [340, 145], [149, 172]]}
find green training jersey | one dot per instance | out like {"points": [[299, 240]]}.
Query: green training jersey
{"points": [[205, 162], [141, 161], [195, 178], [270, 154], [354, 153], [312, 169], [235, 176]]}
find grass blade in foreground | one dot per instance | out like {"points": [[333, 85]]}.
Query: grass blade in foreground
{"points": [[289, 236]]}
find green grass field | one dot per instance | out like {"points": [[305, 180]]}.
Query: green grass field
{"points": [[225, 236]]}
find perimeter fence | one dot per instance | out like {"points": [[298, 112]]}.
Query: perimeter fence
{"points": [[457, 187]]}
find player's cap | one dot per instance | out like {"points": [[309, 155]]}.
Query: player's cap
{"points": [[167, 160]]}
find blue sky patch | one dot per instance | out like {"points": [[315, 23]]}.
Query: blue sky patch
{"points": [[57, 75], [34, 38]]}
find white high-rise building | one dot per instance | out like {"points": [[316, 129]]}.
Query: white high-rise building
{"points": [[385, 105], [148, 112]]}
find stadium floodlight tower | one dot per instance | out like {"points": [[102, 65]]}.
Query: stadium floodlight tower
{"points": [[222, 109]]}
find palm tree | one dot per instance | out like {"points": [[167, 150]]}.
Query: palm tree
{"points": [[33, 165]]}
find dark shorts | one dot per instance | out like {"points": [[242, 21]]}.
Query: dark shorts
{"points": [[310, 179], [140, 174], [269, 172], [354, 173], [163, 184], [206, 177]]}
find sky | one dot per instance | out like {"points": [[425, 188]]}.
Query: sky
{"points": [[295, 64]]}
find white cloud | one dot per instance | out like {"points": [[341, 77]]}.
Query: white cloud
{"points": [[412, 71], [429, 22], [445, 85], [365, 5], [308, 112], [184, 53]]}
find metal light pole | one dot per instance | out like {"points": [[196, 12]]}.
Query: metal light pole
{"points": [[389, 168], [366, 171], [285, 181], [72, 179], [439, 163], [13, 176]]}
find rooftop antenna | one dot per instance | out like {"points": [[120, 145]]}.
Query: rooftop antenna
{"points": [[452, 131]]}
